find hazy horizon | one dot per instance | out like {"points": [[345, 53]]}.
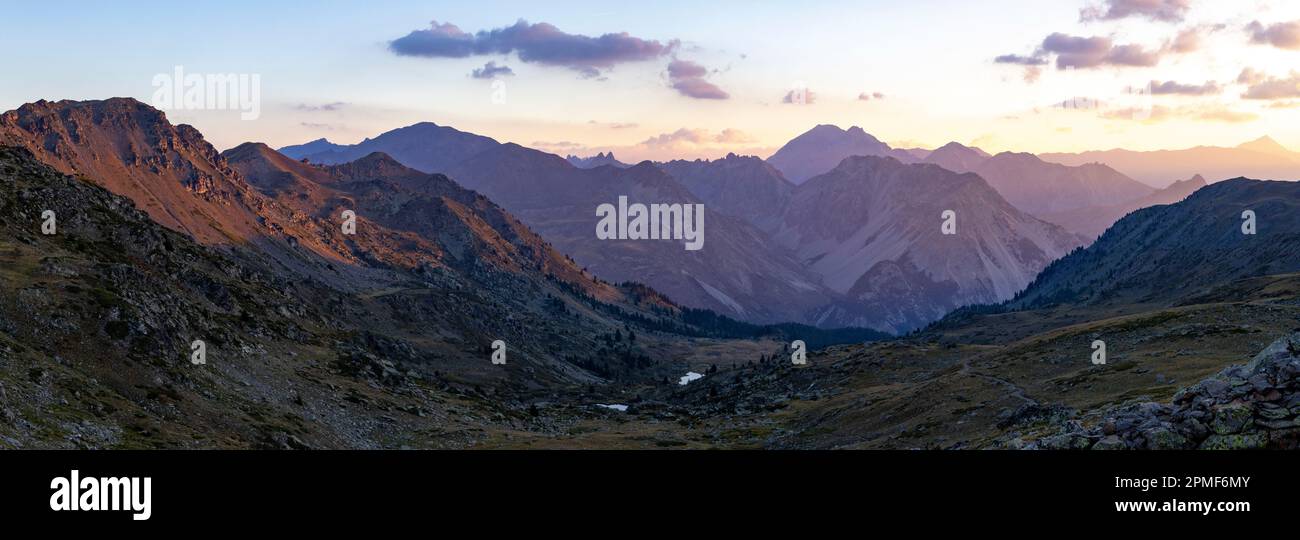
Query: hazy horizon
{"points": [[1033, 77]]}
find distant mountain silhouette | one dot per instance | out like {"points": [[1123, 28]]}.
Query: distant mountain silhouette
{"points": [[1092, 221], [1266, 145], [424, 146], [738, 272], [823, 147], [918, 153], [318, 146], [1261, 158], [871, 228], [745, 187], [957, 157], [1039, 187], [603, 158]]}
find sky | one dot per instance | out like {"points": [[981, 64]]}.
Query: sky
{"points": [[678, 79]]}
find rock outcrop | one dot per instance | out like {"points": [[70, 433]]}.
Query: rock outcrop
{"points": [[1248, 406]]}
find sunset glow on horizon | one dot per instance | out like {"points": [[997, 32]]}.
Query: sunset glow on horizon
{"points": [[692, 80]]}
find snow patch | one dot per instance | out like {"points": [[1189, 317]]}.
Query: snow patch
{"points": [[721, 297]]}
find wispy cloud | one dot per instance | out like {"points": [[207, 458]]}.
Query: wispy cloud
{"points": [[491, 70], [698, 136], [1213, 112], [1176, 88], [683, 143], [1156, 10], [1020, 60], [327, 107], [614, 125]]}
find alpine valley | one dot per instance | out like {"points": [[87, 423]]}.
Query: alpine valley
{"points": [[359, 295]]}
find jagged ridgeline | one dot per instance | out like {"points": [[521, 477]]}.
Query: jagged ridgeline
{"points": [[159, 242]]}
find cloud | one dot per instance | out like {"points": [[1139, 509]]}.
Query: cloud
{"points": [[1284, 35], [614, 125], [1264, 87], [540, 43], [690, 136], [733, 136], [1156, 10], [800, 96], [317, 126], [1160, 88], [1157, 113], [1284, 104], [868, 97], [1209, 113], [569, 145], [1020, 60], [1222, 113], [1033, 64], [328, 107], [1099, 51], [683, 135], [687, 78], [1032, 73], [1250, 76], [681, 144], [491, 70], [1083, 103], [1092, 52], [1190, 39], [1132, 55], [1186, 41], [684, 143]]}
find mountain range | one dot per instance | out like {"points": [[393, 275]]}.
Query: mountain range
{"points": [[871, 228], [1166, 251], [322, 336], [1039, 187], [823, 147], [1093, 220], [424, 146], [745, 187], [1261, 158], [420, 239], [603, 158], [1191, 312], [957, 157], [771, 257]]}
